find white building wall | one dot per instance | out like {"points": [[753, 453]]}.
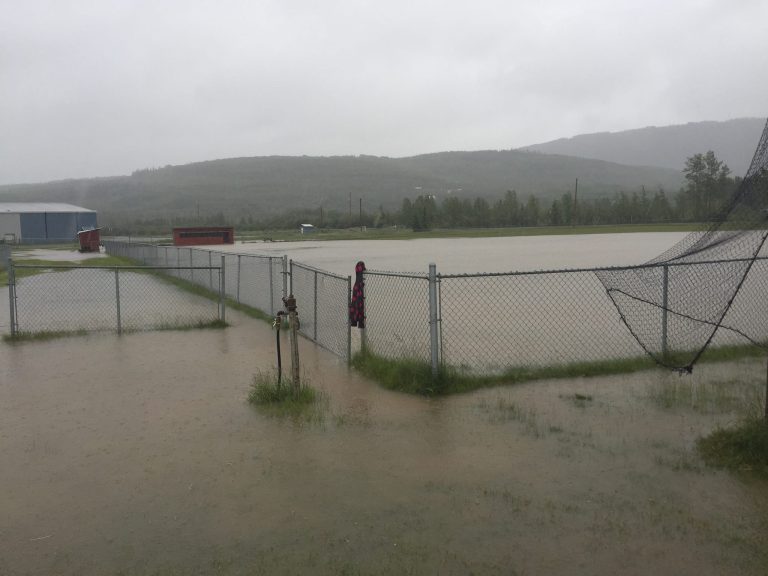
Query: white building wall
{"points": [[10, 224]]}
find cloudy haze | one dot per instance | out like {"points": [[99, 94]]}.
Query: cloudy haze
{"points": [[93, 88]]}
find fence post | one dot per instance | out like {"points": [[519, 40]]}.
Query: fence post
{"points": [[12, 295], [433, 338], [314, 320], [239, 257], [664, 303], [117, 300], [349, 325], [210, 270], [285, 276], [271, 289], [222, 291]]}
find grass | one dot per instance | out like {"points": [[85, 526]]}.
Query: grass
{"points": [[281, 398], [42, 336], [415, 376], [741, 447], [401, 233]]}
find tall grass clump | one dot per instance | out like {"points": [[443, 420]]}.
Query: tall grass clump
{"points": [[282, 399]]}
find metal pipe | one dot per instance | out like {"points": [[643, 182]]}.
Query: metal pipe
{"points": [[222, 291]]}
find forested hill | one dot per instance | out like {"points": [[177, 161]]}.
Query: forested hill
{"points": [[733, 141], [270, 185]]}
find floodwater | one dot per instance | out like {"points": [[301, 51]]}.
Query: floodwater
{"points": [[469, 255], [137, 455]]}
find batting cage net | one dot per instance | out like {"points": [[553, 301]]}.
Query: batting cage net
{"points": [[674, 304]]}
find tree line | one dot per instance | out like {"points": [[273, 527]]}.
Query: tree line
{"points": [[708, 186]]}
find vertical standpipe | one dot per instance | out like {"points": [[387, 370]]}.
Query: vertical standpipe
{"points": [[433, 335]]}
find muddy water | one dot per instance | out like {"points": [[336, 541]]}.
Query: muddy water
{"points": [[138, 455], [467, 255]]}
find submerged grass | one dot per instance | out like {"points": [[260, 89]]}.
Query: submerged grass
{"points": [[42, 336], [741, 447], [282, 399]]}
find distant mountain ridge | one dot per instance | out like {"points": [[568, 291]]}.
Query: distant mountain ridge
{"points": [[270, 185], [733, 141]]}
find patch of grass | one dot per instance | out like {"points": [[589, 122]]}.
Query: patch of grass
{"points": [[42, 336], [579, 400], [742, 447], [200, 325], [281, 399]]}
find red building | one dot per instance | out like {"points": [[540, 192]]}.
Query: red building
{"points": [[196, 235]]}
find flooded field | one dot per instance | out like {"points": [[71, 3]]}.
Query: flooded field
{"points": [[138, 455], [468, 255]]}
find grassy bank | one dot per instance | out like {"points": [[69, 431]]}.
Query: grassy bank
{"points": [[415, 376], [408, 234]]}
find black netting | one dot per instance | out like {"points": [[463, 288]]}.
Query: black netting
{"points": [[676, 303]]}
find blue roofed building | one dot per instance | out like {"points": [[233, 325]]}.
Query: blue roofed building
{"points": [[41, 222]]}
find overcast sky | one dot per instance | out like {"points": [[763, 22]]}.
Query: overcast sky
{"points": [[99, 87]]}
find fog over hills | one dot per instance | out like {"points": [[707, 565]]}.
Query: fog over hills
{"points": [[274, 184], [733, 141], [604, 163]]}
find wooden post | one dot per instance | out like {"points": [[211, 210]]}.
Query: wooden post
{"points": [[293, 326]]}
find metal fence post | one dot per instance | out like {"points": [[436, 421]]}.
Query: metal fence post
{"points": [[285, 276], [117, 300], [222, 291], [664, 304], [349, 324], [12, 295], [271, 288], [433, 338], [210, 269], [239, 257], [314, 321]]}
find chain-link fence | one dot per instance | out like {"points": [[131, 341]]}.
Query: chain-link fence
{"points": [[323, 300], [5, 255], [254, 280], [261, 282], [73, 298], [490, 323]]}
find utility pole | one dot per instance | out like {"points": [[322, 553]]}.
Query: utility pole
{"points": [[321, 216], [361, 215], [350, 208]]}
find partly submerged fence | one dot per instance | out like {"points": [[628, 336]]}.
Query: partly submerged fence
{"points": [[476, 323], [69, 298], [491, 323], [261, 282]]}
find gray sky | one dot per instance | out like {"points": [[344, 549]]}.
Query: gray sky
{"points": [[99, 87]]}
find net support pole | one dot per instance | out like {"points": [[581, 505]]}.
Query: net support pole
{"points": [[664, 308], [433, 338]]}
